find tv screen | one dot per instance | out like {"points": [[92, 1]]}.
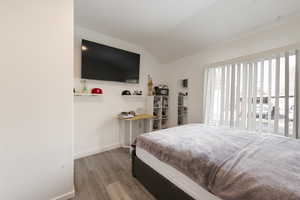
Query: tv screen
{"points": [[101, 62]]}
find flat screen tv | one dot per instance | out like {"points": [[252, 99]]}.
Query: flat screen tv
{"points": [[101, 62]]}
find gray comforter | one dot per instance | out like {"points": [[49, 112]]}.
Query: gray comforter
{"points": [[232, 164]]}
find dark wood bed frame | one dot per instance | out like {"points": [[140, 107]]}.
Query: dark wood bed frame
{"points": [[160, 187]]}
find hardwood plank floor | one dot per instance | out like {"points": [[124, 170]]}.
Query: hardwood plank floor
{"points": [[107, 176]]}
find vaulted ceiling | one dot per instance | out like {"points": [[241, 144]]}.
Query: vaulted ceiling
{"points": [[172, 29]]}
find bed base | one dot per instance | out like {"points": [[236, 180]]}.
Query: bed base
{"points": [[160, 187]]}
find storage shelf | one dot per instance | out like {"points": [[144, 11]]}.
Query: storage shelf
{"points": [[158, 105], [86, 94]]}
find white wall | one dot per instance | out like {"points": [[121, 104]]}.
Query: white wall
{"points": [[96, 125], [36, 99], [279, 35]]}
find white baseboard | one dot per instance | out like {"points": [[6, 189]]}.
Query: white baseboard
{"points": [[95, 151], [66, 196]]}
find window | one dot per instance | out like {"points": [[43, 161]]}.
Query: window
{"points": [[256, 95]]}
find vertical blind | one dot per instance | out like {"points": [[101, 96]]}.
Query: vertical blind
{"points": [[259, 95]]}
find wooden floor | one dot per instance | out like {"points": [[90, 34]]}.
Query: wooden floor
{"points": [[107, 176]]}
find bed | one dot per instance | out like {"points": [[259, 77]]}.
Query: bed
{"points": [[196, 162]]}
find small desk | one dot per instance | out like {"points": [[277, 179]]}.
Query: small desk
{"points": [[136, 118]]}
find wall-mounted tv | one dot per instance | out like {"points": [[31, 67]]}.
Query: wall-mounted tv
{"points": [[101, 62]]}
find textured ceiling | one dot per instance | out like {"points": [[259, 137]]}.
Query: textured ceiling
{"points": [[172, 29]]}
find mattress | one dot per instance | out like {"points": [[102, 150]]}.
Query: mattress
{"points": [[229, 163], [174, 176]]}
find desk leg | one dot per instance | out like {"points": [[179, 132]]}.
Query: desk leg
{"points": [[150, 125], [120, 128], [121, 133], [130, 135]]}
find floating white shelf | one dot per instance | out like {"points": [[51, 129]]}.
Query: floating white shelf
{"points": [[134, 96], [86, 94]]}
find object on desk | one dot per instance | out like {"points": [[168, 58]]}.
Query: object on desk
{"points": [[126, 92], [132, 113], [97, 91], [127, 115]]}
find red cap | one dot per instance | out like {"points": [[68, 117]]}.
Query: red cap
{"points": [[97, 91]]}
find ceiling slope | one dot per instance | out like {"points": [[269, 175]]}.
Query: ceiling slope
{"points": [[172, 29]]}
